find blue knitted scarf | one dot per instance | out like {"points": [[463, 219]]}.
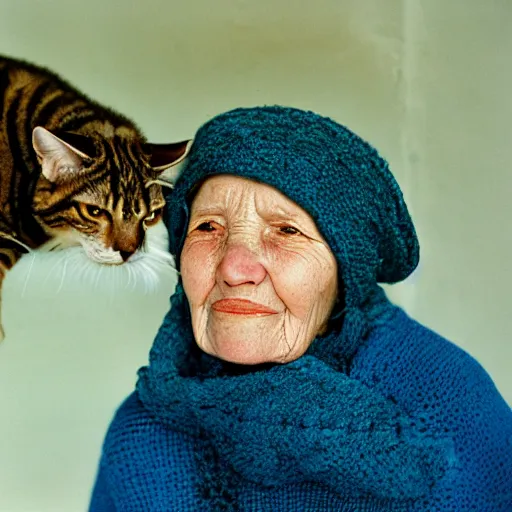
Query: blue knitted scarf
{"points": [[273, 425], [306, 421]]}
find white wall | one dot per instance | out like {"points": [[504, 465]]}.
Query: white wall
{"points": [[428, 83]]}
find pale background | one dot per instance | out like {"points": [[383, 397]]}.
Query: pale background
{"points": [[428, 82]]}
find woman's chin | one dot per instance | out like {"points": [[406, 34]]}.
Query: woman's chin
{"points": [[242, 352]]}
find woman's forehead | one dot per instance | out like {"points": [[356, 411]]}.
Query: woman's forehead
{"points": [[226, 191]]}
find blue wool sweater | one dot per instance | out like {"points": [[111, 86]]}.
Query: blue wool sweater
{"points": [[380, 414], [147, 466]]}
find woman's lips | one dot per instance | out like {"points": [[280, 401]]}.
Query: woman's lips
{"points": [[241, 307]]}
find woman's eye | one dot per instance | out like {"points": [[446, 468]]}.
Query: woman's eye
{"points": [[206, 227], [289, 230], [93, 211]]}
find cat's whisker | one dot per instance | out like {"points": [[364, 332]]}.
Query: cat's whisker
{"points": [[113, 287], [29, 273], [86, 274], [77, 268], [60, 269], [90, 275], [96, 276], [148, 275], [69, 259], [101, 271], [128, 271], [63, 274], [96, 272], [84, 269], [134, 276], [57, 263]]}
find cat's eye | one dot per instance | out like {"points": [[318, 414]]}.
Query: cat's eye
{"points": [[153, 217], [93, 211]]}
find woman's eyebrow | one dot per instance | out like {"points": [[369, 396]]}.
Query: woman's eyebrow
{"points": [[206, 210], [280, 213], [281, 216]]}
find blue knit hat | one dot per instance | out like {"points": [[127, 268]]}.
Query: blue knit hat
{"points": [[337, 177]]}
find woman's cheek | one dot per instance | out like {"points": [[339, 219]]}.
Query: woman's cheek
{"points": [[198, 269], [291, 276]]}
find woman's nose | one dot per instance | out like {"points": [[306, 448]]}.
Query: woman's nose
{"points": [[240, 266]]}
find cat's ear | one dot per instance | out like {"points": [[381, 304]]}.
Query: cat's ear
{"points": [[60, 161], [168, 160]]}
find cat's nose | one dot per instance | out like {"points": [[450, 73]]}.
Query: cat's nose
{"points": [[126, 254]]}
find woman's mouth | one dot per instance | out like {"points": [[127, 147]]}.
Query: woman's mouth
{"points": [[242, 307]]}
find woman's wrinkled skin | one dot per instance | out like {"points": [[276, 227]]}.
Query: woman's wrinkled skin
{"points": [[260, 279]]}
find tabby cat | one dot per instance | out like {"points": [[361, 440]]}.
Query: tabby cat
{"points": [[73, 172]]}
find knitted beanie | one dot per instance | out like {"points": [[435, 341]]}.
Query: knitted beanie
{"points": [[333, 174]]}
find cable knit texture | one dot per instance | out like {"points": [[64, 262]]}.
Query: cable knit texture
{"points": [[380, 414]]}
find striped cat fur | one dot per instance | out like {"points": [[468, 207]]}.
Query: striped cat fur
{"points": [[73, 172]]}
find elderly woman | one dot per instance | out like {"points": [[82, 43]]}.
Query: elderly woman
{"points": [[282, 379]]}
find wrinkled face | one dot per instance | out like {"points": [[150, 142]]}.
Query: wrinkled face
{"points": [[260, 279], [104, 203]]}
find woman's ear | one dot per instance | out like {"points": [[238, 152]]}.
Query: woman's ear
{"points": [[168, 160]]}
